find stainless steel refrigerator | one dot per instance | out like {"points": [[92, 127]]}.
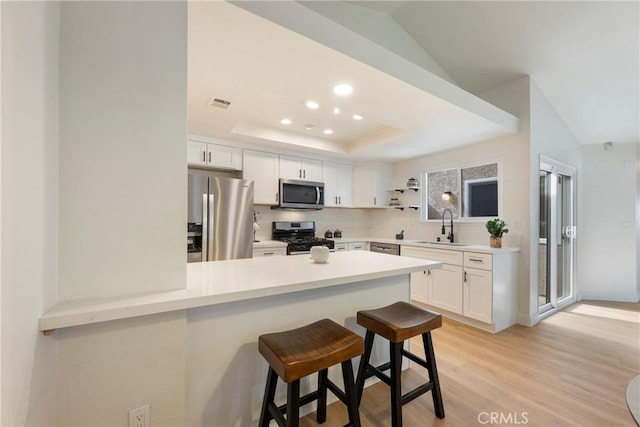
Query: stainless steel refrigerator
{"points": [[220, 218]]}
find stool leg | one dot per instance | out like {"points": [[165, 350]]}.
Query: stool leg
{"points": [[269, 394], [433, 375], [351, 394], [321, 412], [396, 389], [293, 403], [364, 363]]}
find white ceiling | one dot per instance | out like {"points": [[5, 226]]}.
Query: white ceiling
{"points": [[583, 55], [267, 71]]}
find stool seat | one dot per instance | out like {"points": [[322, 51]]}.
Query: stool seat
{"points": [[399, 321], [296, 353], [299, 352]]}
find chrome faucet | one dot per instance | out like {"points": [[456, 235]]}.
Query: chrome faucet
{"points": [[450, 236]]}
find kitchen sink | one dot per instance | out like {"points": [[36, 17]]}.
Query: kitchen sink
{"points": [[440, 243]]}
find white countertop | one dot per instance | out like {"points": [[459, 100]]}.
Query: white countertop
{"points": [[269, 244], [217, 282], [417, 243]]}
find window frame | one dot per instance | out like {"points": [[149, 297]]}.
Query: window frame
{"points": [[424, 192]]}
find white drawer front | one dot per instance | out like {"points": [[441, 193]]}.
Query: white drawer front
{"points": [[269, 252], [359, 246], [478, 260], [447, 257]]}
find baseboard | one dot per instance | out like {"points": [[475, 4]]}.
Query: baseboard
{"points": [[609, 296], [526, 320]]}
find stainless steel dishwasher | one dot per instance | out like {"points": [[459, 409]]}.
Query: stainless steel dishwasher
{"points": [[385, 248]]}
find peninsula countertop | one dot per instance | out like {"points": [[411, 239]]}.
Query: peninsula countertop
{"points": [[218, 282]]}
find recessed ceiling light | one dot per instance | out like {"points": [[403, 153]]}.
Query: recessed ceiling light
{"points": [[285, 121], [336, 110], [312, 105], [327, 131], [357, 117], [309, 126], [342, 89]]}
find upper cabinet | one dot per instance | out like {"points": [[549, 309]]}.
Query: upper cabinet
{"points": [[214, 156], [337, 184], [262, 168], [299, 168], [370, 183]]}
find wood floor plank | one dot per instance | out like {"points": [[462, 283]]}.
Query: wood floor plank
{"points": [[569, 370]]}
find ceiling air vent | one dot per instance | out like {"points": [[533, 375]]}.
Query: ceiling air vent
{"points": [[220, 103]]}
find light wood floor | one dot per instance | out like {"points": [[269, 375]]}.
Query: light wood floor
{"points": [[569, 370]]}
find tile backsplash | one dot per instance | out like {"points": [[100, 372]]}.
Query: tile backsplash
{"points": [[352, 222]]}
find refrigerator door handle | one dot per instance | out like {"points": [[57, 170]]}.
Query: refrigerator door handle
{"points": [[205, 229], [210, 235]]}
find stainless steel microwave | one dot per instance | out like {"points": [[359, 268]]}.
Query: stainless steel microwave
{"points": [[296, 194]]}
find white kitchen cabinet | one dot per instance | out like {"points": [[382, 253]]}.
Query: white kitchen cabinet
{"points": [[478, 295], [370, 183], [477, 288], [420, 282], [292, 167], [357, 246], [341, 247], [446, 291], [214, 156], [269, 251], [262, 168], [337, 178], [443, 287]]}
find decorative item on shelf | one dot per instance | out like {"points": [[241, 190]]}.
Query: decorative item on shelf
{"points": [[337, 234], [496, 228], [400, 236], [394, 202], [328, 234], [412, 183]]}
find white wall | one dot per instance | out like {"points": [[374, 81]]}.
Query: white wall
{"points": [[607, 247], [29, 209], [123, 172], [123, 125], [514, 154], [551, 137]]}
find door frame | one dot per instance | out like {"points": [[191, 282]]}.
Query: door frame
{"points": [[555, 168]]}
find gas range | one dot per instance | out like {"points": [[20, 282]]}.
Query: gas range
{"points": [[299, 236]]}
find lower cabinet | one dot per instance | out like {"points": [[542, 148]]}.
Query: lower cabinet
{"points": [[269, 251], [340, 247], [472, 287], [477, 301], [353, 246], [445, 291]]}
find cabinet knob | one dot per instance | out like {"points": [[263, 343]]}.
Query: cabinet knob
{"points": [[204, 156], [209, 156], [465, 277]]}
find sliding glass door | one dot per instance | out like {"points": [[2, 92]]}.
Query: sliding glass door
{"points": [[556, 245]]}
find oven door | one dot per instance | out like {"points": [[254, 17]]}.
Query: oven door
{"points": [[301, 194]]}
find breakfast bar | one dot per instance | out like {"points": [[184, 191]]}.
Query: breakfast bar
{"points": [[228, 304]]}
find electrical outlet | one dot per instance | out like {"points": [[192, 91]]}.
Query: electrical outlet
{"points": [[139, 417]]}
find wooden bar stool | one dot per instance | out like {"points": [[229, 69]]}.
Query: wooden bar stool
{"points": [[300, 352], [399, 322]]}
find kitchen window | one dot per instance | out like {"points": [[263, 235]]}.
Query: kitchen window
{"points": [[471, 191]]}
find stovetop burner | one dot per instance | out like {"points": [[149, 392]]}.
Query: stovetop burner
{"points": [[300, 236]]}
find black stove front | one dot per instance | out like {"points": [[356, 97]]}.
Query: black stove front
{"points": [[299, 236]]}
